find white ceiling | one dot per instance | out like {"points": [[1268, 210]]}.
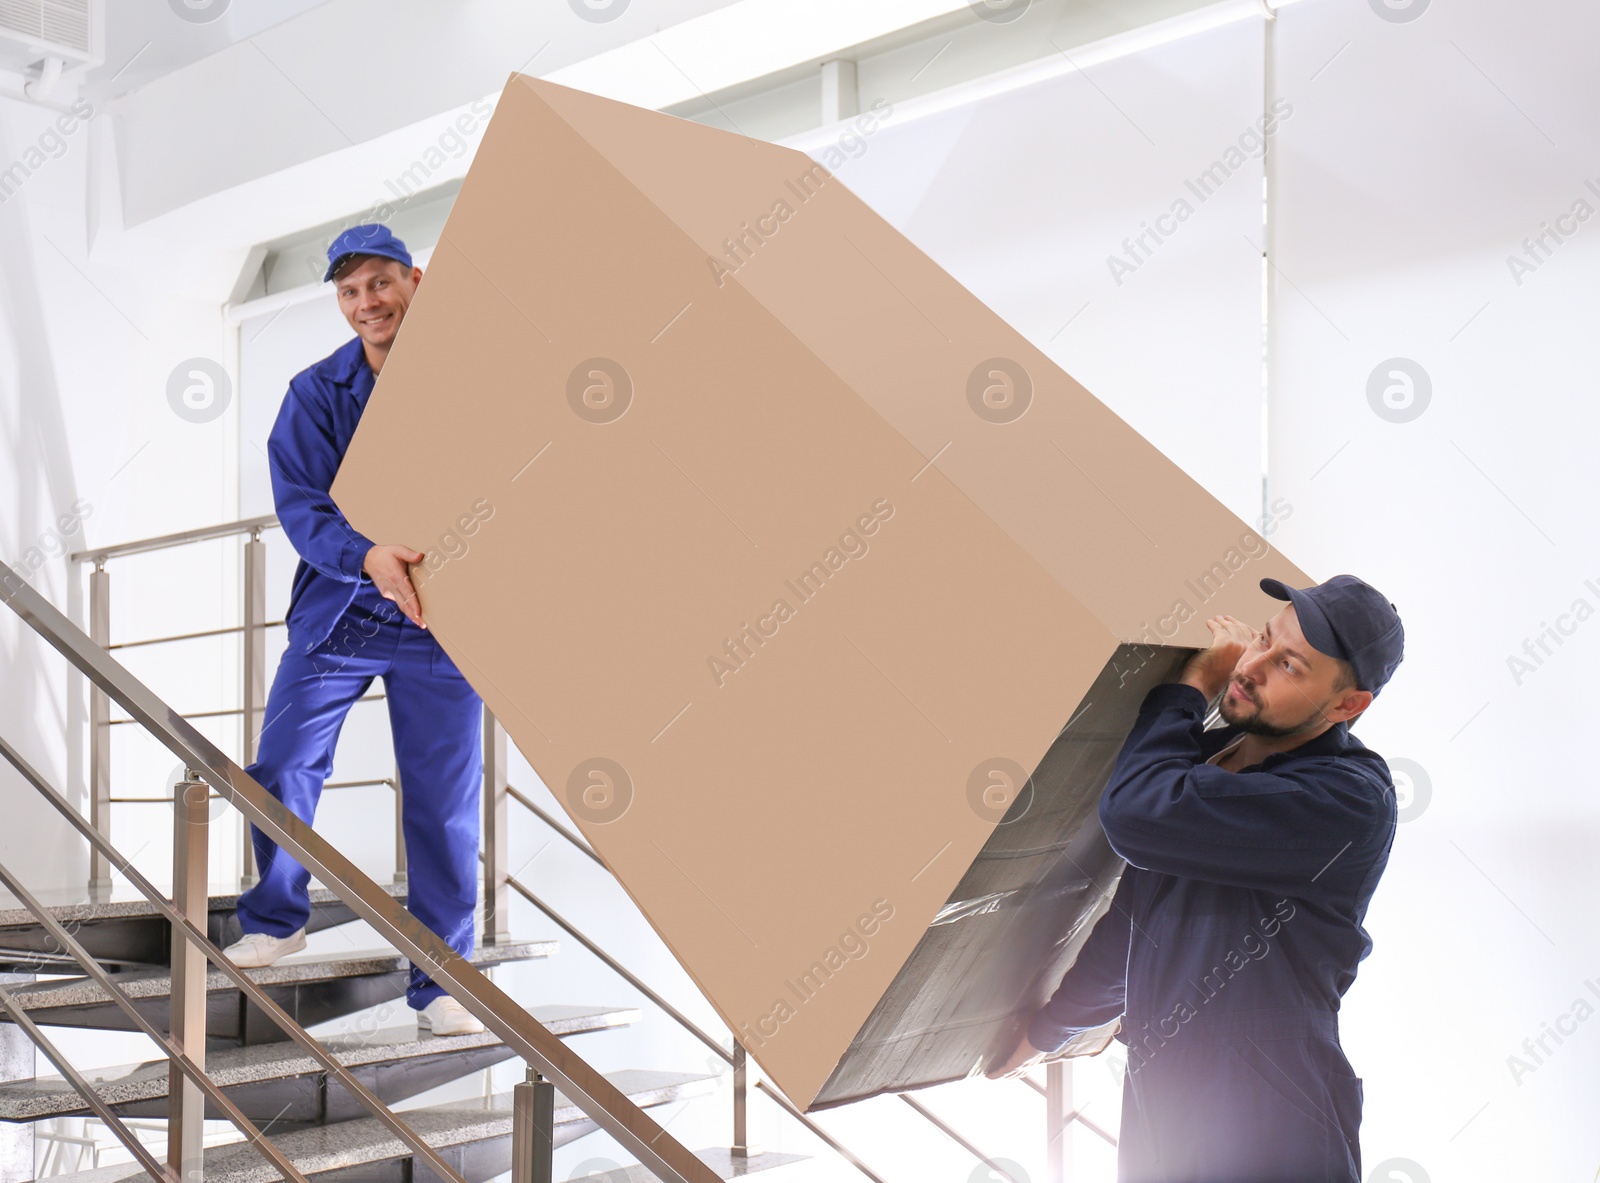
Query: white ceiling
{"points": [[282, 116], [146, 39]]}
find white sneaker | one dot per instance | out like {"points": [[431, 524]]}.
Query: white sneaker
{"points": [[256, 949], [445, 1016]]}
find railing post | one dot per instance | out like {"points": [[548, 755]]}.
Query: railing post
{"points": [[254, 690], [496, 840], [99, 731], [741, 1128], [533, 1120], [1057, 1125], [186, 1105], [399, 829], [19, 1060]]}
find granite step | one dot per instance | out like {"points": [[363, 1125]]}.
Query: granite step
{"points": [[280, 1083], [312, 989], [472, 1136], [126, 930]]}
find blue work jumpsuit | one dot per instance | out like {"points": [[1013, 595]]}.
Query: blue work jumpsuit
{"points": [[1234, 933], [342, 635]]}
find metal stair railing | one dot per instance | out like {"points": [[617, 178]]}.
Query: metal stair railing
{"points": [[186, 1043], [498, 882], [1061, 1099], [253, 680], [1056, 1070], [599, 1099], [737, 1057], [253, 689], [183, 1137]]}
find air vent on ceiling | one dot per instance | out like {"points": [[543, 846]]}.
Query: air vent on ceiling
{"points": [[31, 30]]}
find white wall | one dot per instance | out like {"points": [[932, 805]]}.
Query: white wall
{"points": [[85, 355], [1422, 153]]}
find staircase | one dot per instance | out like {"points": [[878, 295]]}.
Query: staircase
{"points": [[236, 1042], [313, 1119], [319, 1104], [312, 991], [133, 933], [474, 1137]]}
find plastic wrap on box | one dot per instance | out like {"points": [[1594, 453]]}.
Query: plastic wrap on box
{"points": [[998, 948]]}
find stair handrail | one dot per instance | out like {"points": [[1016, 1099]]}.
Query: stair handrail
{"points": [[599, 1099], [253, 687], [99, 554], [253, 526], [196, 936], [933, 1119], [176, 1054]]}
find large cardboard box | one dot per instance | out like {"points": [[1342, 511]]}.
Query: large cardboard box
{"points": [[819, 596]]}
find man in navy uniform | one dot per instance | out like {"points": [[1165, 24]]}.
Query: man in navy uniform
{"points": [[353, 616], [1252, 851]]}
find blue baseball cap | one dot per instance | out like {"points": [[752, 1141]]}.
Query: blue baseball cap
{"points": [[374, 238], [1347, 618]]}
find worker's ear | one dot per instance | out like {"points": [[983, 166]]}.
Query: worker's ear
{"points": [[1353, 704]]}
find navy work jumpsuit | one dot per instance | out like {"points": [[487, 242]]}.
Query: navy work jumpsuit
{"points": [[342, 634], [1233, 935]]}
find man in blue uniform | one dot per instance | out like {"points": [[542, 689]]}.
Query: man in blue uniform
{"points": [[1252, 852], [353, 616]]}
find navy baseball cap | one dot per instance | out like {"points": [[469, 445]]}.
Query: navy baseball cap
{"points": [[372, 239], [1347, 618]]}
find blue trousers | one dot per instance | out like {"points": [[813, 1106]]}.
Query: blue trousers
{"points": [[436, 718]]}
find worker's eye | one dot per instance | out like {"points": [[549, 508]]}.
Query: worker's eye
{"points": [[1288, 665]]}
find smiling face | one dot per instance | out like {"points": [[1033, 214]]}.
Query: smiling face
{"points": [[1281, 686], [374, 293]]}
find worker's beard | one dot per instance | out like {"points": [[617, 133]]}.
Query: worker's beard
{"points": [[1248, 718]]}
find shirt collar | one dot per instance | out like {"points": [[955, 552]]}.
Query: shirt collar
{"points": [[347, 363], [1331, 742]]}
